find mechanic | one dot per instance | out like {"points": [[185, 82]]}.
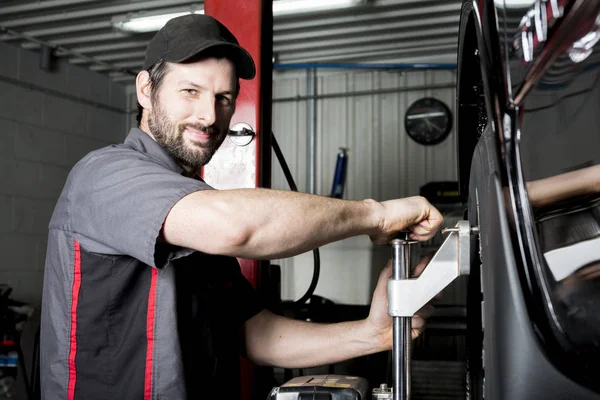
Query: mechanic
{"points": [[143, 296]]}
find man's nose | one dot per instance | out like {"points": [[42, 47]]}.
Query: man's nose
{"points": [[205, 110]]}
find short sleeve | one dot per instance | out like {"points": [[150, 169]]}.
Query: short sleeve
{"points": [[118, 202]]}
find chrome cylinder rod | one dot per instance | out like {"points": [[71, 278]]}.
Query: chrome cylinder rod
{"points": [[402, 328]]}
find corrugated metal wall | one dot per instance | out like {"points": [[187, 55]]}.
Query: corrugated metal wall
{"points": [[384, 163]]}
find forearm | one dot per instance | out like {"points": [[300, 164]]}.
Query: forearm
{"points": [[261, 223], [277, 341], [561, 187]]}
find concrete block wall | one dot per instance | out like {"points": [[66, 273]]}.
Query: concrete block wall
{"points": [[48, 121]]}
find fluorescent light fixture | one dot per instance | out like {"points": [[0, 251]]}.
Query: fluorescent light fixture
{"points": [[514, 3], [153, 23], [287, 7]]}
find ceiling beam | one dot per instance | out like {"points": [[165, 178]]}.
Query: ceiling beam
{"points": [[327, 55], [111, 57], [71, 40], [107, 47], [60, 30], [378, 14], [326, 30], [41, 5], [123, 65], [375, 38], [433, 55], [94, 12]]}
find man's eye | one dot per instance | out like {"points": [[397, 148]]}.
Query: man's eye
{"points": [[190, 91], [224, 99]]}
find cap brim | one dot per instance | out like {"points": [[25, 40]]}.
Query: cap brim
{"points": [[241, 58]]}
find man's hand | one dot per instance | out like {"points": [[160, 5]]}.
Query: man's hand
{"points": [[414, 213], [378, 318], [279, 341]]}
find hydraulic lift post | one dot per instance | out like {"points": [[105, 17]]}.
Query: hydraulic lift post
{"points": [[408, 295], [245, 162]]}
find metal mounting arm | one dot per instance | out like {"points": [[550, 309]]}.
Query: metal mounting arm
{"points": [[407, 296]]}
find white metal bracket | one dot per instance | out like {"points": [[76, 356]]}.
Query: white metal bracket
{"points": [[407, 296]]}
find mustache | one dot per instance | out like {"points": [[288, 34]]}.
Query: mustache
{"points": [[211, 130]]}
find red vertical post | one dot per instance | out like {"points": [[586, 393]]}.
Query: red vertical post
{"points": [[233, 166]]}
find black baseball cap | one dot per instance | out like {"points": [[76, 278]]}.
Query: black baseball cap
{"points": [[189, 35]]}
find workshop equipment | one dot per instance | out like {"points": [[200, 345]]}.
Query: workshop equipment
{"points": [[406, 296], [326, 387], [402, 327], [244, 159], [339, 177]]}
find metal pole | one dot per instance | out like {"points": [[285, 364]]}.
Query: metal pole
{"points": [[311, 127], [402, 329]]}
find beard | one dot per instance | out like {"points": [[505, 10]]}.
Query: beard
{"points": [[169, 135]]}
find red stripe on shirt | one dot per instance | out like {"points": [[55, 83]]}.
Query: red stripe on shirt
{"points": [[73, 336], [150, 335]]}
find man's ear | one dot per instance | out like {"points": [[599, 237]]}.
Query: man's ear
{"points": [[144, 89]]}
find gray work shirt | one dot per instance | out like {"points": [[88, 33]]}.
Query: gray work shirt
{"points": [[125, 316]]}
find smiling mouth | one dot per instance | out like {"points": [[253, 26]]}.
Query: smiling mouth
{"points": [[198, 135]]}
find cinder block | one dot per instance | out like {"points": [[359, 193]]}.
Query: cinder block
{"points": [[64, 115], [100, 86], [118, 95], [106, 125], [7, 138], [30, 287], [33, 143], [90, 85], [32, 216], [132, 108], [19, 178], [77, 147], [30, 71], [52, 181], [77, 82], [20, 104], [10, 60], [19, 252], [7, 221]]}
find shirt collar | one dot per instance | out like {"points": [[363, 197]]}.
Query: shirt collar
{"points": [[143, 142]]}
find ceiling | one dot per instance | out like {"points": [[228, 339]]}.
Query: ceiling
{"points": [[381, 31]]}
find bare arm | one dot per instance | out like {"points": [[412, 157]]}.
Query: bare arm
{"points": [[277, 341], [544, 192], [263, 223]]}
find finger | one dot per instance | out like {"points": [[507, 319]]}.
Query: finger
{"points": [[421, 238], [386, 272], [384, 275], [418, 326], [422, 228], [423, 262], [415, 333], [426, 228], [418, 322]]}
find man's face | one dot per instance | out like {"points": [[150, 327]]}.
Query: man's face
{"points": [[192, 108]]}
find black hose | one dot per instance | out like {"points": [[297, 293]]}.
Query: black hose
{"points": [[316, 255], [315, 278], [283, 163]]}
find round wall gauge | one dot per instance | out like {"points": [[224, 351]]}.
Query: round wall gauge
{"points": [[428, 121]]}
